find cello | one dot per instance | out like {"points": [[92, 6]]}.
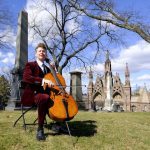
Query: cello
{"points": [[64, 106]]}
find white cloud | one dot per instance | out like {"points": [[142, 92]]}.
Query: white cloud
{"points": [[8, 36], [4, 69], [7, 58], [98, 68], [137, 56], [144, 77]]}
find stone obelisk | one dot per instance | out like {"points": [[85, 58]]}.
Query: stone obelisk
{"points": [[20, 60]]}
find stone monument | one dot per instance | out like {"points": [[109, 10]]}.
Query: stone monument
{"points": [[20, 60], [76, 88], [108, 105], [108, 101]]}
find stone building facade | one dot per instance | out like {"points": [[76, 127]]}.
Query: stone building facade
{"points": [[140, 100], [109, 93]]}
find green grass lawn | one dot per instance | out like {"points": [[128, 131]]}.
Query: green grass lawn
{"points": [[90, 131]]}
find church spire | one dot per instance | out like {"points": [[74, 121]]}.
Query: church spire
{"points": [[90, 89], [90, 75], [107, 55], [90, 85], [107, 64], [127, 75]]}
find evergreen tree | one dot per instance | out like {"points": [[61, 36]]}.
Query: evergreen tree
{"points": [[4, 91]]}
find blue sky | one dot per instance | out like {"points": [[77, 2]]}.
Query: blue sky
{"points": [[135, 52]]}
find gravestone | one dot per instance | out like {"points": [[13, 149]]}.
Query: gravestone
{"points": [[20, 60]]}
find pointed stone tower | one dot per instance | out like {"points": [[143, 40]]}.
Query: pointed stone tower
{"points": [[108, 84], [127, 76], [127, 89], [90, 90]]}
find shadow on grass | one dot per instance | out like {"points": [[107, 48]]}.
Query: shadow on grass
{"points": [[77, 128]]}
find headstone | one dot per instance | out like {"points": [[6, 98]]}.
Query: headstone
{"points": [[20, 60]]}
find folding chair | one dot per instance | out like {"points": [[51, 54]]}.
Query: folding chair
{"points": [[25, 109]]}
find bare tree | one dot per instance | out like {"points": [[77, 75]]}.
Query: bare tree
{"points": [[65, 34], [104, 10], [5, 23]]}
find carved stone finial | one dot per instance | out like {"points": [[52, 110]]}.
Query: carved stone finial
{"points": [[107, 55]]}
